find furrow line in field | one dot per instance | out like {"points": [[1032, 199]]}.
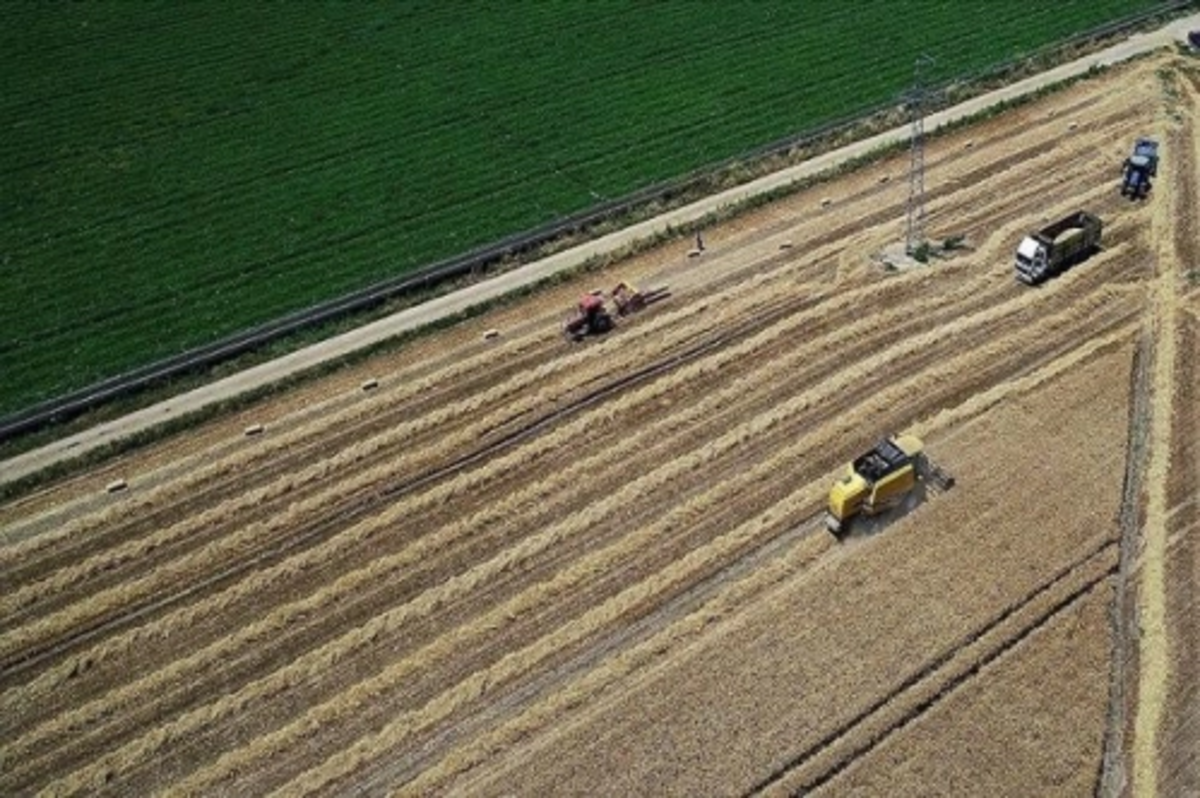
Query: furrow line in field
{"points": [[1100, 314], [513, 664], [225, 472], [397, 392], [822, 762], [782, 554], [115, 539], [1154, 643], [1021, 385], [598, 367], [580, 685], [651, 393], [630, 492], [430, 601]]}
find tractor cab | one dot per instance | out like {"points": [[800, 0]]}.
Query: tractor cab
{"points": [[591, 318], [1139, 168]]}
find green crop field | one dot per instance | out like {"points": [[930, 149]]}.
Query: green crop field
{"points": [[176, 172]]}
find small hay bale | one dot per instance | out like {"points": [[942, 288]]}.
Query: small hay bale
{"points": [[1072, 126], [370, 384], [885, 178], [786, 245], [970, 144], [693, 253], [116, 486], [826, 202], [490, 334], [254, 429]]}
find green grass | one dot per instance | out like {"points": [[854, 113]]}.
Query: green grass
{"points": [[176, 172]]}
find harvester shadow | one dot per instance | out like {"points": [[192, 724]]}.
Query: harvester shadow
{"points": [[864, 526]]}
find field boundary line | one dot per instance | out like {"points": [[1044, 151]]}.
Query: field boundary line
{"points": [[1112, 779], [1154, 649]]}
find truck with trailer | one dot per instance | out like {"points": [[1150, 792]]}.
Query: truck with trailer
{"points": [[1056, 247]]}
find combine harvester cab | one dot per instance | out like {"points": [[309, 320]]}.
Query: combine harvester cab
{"points": [[882, 485], [1139, 168], [1053, 249]]}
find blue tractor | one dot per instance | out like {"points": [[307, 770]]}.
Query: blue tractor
{"points": [[1139, 168]]}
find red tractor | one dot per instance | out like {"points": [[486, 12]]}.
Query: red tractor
{"points": [[591, 318]]}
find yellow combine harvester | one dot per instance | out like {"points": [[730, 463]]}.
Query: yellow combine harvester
{"points": [[892, 476]]}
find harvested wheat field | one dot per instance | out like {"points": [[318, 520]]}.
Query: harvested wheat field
{"points": [[522, 566]]}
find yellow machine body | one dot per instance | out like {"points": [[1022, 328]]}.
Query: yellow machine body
{"points": [[875, 482]]}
